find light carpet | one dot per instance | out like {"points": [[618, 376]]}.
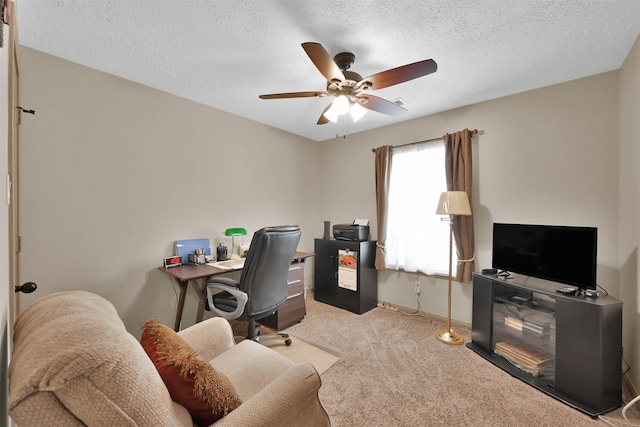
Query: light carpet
{"points": [[393, 372], [299, 351]]}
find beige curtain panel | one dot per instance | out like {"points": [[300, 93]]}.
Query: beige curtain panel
{"points": [[459, 170], [383, 167]]}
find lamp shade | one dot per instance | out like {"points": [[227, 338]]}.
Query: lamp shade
{"points": [[454, 203], [357, 111], [341, 104], [331, 114], [238, 231]]}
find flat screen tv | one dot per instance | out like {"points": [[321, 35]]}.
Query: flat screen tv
{"points": [[558, 253]]}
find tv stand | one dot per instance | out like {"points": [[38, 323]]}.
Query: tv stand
{"points": [[567, 346]]}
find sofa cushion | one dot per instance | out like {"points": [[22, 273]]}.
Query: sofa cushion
{"points": [[73, 359], [251, 366], [207, 394]]}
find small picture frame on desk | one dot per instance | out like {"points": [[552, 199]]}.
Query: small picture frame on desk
{"points": [[173, 261]]}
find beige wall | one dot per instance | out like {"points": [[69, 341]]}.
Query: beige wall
{"points": [[114, 172], [99, 183], [629, 215]]}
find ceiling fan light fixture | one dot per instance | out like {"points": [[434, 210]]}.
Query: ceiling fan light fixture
{"points": [[331, 114], [357, 111], [341, 105]]}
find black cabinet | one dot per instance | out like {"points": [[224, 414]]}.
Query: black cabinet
{"points": [[569, 347], [345, 274]]}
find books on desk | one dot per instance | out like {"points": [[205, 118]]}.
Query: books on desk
{"points": [[232, 264]]}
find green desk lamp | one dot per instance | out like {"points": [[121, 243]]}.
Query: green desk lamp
{"points": [[233, 232]]}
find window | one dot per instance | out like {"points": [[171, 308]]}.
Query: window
{"points": [[417, 239]]}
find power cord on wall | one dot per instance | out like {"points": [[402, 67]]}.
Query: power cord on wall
{"points": [[417, 312], [629, 406], [627, 421]]}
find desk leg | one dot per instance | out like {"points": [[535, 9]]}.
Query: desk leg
{"points": [[201, 290], [183, 292]]}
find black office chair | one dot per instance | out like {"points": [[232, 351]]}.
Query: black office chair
{"points": [[263, 286]]}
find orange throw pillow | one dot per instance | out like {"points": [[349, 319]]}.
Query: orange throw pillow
{"points": [[207, 394]]}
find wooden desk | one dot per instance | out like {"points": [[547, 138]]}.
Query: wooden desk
{"points": [[197, 275]]}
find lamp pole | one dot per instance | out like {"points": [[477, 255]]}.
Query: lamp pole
{"points": [[450, 272], [447, 336], [451, 203]]}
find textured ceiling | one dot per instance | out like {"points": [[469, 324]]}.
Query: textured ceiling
{"points": [[226, 53]]}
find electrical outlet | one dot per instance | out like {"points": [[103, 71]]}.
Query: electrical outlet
{"points": [[417, 288]]}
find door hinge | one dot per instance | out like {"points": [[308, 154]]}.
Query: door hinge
{"points": [[22, 110]]}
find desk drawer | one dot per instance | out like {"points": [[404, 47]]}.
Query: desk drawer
{"points": [[290, 313], [296, 287], [293, 309], [296, 273]]}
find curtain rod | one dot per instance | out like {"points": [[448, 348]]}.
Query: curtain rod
{"points": [[473, 132]]}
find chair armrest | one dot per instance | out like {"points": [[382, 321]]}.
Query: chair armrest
{"points": [[223, 280], [241, 298], [290, 400], [209, 338]]}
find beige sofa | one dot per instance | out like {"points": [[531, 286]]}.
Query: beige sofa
{"points": [[74, 363]]}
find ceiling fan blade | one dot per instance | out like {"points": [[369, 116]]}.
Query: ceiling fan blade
{"points": [[380, 105], [323, 62], [293, 95], [398, 75], [322, 120]]}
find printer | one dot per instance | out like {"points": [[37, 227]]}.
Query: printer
{"points": [[351, 232]]}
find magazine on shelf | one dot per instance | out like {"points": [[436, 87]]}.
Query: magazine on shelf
{"points": [[529, 358]]}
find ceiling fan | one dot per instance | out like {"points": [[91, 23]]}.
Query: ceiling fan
{"points": [[350, 89]]}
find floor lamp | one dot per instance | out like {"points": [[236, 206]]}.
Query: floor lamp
{"points": [[451, 203]]}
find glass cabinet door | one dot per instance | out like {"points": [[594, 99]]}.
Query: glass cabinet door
{"points": [[524, 330]]}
